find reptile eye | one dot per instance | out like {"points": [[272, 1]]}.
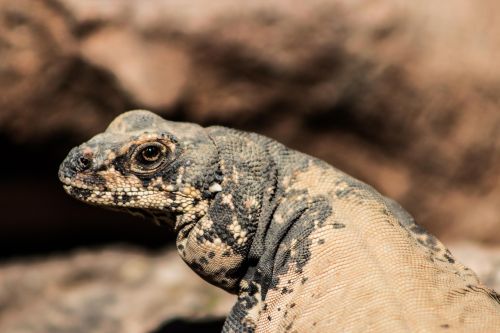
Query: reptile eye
{"points": [[149, 157], [151, 153]]}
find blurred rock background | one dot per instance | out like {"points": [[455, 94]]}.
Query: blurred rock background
{"points": [[403, 95]]}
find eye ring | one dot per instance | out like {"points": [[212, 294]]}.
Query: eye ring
{"points": [[148, 157]]}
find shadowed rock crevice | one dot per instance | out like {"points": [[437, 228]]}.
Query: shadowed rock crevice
{"points": [[191, 326]]}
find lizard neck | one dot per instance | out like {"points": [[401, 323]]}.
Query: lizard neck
{"points": [[224, 236]]}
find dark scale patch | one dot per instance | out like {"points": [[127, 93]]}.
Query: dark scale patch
{"points": [[126, 198], [491, 293], [321, 241], [235, 273], [445, 326], [145, 180], [204, 260], [419, 230], [494, 295], [102, 167], [121, 163], [196, 267], [97, 180], [224, 282], [304, 280], [211, 254], [120, 198], [80, 193], [429, 242], [338, 225], [448, 257], [253, 288]]}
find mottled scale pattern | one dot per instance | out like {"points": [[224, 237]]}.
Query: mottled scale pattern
{"points": [[304, 246]]}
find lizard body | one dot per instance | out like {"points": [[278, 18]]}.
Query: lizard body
{"points": [[305, 247]]}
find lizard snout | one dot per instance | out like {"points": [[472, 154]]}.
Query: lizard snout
{"points": [[78, 160]]}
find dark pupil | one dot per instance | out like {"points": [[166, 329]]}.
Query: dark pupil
{"points": [[151, 153]]}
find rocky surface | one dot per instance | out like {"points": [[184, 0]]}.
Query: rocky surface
{"points": [[108, 290]]}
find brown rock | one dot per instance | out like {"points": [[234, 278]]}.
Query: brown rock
{"points": [[109, 290], [402, 95]]}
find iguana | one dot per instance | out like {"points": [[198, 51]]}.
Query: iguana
{"points": [[304, 246]]}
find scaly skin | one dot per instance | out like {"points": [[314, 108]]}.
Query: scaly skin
{"points": [[305, 247]]}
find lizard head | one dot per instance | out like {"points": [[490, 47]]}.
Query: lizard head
{"points": [[145, 164]]}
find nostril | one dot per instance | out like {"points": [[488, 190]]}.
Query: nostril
{"points": [[83, 163]]}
